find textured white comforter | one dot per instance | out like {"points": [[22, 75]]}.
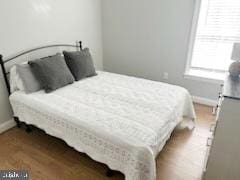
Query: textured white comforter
{"points": [[119, 120]]}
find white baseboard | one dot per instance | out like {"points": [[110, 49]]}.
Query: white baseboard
{"points": [[7, 125], [204, 101]]}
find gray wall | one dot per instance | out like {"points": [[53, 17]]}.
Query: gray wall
{"points": [[5, 110], [27, 24], [146, 38]]}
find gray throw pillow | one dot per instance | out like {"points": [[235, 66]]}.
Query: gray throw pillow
{"points": [[29, 82], [80, 63], [52, 72]]}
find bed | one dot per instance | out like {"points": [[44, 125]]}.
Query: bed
{"points": [[118, 120]]}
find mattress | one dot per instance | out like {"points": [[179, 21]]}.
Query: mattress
{"points": [[118, 120]]}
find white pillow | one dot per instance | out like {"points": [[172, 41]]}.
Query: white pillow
{"points": [[16, 83], [22, 78]]}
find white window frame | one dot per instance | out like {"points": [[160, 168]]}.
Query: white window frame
{"points": [[206, 76]]}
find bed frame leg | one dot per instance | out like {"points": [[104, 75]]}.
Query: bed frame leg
{"points": [[109, 173], [17, 122], [28, 129]]}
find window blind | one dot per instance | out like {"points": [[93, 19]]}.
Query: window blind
{"points": [[218, 28]]}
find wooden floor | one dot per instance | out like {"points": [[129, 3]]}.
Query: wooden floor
{"points": [[49, 158]]}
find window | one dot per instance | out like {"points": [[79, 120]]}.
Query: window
{"points": [[217, 27]]}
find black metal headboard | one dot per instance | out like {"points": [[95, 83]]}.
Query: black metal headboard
{"points": [[3, 62]]}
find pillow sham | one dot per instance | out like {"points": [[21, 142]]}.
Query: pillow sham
{"points": [[15, 81], [80, 63], [52, 72], [23, 79], [29, 81]]}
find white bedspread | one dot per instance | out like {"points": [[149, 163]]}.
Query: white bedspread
{"points": [[118, 120]]}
